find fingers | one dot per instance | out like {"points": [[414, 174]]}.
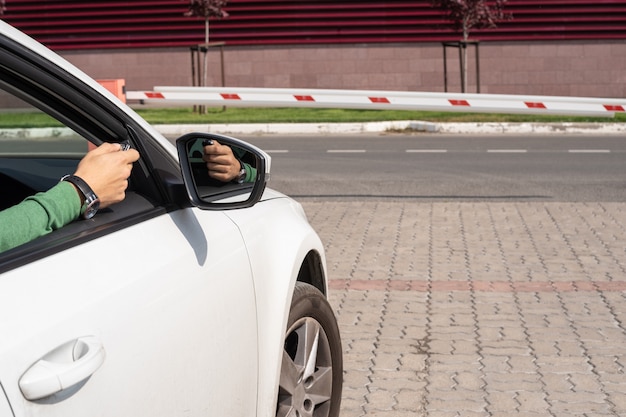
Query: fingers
{"points": [[129, 156], [106, 169], [217, 150], [106, 147], [221, 162]]}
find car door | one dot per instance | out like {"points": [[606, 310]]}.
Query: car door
{"points": [[147, 309], [170, 306]]}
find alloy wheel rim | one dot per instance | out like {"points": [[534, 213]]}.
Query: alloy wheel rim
{"points": [[306, 377]]}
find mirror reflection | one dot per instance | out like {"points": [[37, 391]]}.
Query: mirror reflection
{"points": [[219, 168]]}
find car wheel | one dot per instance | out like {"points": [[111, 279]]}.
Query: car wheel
{"points": [[311, 372]]}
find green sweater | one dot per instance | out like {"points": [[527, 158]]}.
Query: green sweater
{"points": [[38, 215]]}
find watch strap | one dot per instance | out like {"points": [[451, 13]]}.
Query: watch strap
{"points": [[241, 177], [91, 203]]}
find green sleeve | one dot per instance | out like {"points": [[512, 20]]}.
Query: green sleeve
{"points": [[250, 172], [38, 215]]}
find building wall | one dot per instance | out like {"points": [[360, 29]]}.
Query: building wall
{"points": [[73, 24], [548, 47], [565, 68]]}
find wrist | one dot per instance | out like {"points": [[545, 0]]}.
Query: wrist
{"points": [[89, 200], [241, 174]]}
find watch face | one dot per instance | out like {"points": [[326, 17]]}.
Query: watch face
{"points": [[242, 175], [91, 209]]}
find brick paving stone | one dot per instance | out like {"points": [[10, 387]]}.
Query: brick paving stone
{"points": [[411, 399], [585, 383], [396, 383], [380, 400], [506, 348], [558, 382], [478, 309], [457, 414], [502, 401], [351, 406], [618, 399], [495, 364], [455, 401], [522, 363], [534, 402], [413, 362], [576, 398], [564, 365], [468, 380], [385, 361], [514, 382], [356, 377], [438, 382], [607, 364], [565, 408]]}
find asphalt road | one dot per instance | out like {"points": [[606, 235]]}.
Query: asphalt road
{"points": [[448, 168]]}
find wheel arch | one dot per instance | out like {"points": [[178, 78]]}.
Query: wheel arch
{"points": [[312, 272], [308, 266], [283, 249]]}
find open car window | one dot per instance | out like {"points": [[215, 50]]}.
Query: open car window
{"points": [[35, 150], [43, 139]]}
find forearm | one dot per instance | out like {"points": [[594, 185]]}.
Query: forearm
{"points": [[39, 215]]}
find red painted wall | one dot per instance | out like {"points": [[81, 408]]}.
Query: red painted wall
{"points": [[81, 24]]}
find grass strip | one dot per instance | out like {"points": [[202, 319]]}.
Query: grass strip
{"points": [[184, 115]]}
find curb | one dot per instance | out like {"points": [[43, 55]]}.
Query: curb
{"points": [[405, 126], [296, 128], [398, 126], [529, 128]]}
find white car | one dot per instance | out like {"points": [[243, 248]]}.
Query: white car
{"points": [[189, 298]]}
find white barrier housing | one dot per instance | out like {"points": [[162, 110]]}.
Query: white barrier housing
{"points": [[379, 100]]}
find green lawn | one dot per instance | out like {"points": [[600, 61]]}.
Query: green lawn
{"points": [[299, 115]]}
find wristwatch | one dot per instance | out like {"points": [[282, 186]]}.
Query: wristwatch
{"points": [[242, 174], [91, 203]]}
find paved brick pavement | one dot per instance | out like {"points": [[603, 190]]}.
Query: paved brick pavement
{"points": [[478, 309]]}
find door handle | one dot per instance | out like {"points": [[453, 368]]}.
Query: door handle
{"points": [[63, 367]]}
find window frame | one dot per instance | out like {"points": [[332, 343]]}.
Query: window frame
{"points": [[155, 189]]}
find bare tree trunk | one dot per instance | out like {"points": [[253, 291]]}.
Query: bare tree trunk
{"points": [[464, 46], [206, 52], [202, 109]]}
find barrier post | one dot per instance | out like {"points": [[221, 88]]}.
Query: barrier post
{"points": [[117, 86]]}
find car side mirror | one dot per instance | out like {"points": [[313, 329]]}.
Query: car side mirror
{"points": [[208, 193]]}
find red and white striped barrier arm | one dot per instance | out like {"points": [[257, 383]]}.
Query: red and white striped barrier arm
{"points": [[380, 100]]}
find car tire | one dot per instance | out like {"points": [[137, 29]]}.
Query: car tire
{"points": [[311, 373]]}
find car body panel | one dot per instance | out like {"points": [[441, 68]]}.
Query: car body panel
{"points": [[190, 306], [156, 318], [293, 239]]}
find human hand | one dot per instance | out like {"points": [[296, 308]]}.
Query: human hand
{"points": [[221, 162], [106, 170]]}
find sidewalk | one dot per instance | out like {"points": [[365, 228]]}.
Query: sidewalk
{"points": [[174, 131], [381, 127], [478, 309]]}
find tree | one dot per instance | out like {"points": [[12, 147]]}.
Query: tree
{"points": [[469, 14], [206, 9]]}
